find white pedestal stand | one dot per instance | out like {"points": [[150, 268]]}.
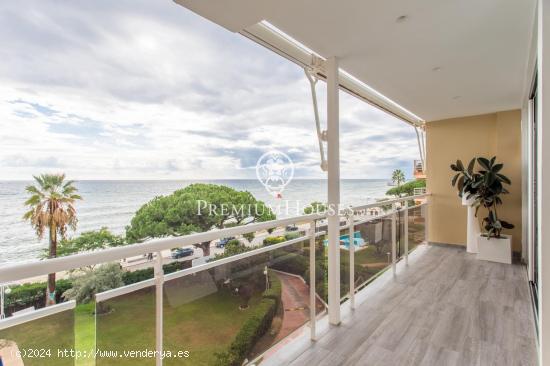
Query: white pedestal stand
{"points": [[473, 229]]}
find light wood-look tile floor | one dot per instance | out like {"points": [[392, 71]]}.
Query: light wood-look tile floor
{"points": [[447, 309]]}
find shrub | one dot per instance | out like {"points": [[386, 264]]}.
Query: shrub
{"points": [[293, 235], [275, 289], [253, 329], [32, 294], [270, 240], [147, 273], [137, 276], [315, 207], [293, 263], [104, 278], [406, 189]]}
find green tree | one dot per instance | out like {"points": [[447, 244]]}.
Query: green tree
{"points": [[398, 177], [406, 189], [196, 208], [315, 207], [89, 241], [51, 206]]}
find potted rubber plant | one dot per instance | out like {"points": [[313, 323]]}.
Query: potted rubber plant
{"points": [[492, 244], [466, 180]]}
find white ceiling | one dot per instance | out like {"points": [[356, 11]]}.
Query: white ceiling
{"points": [[479, 49]]}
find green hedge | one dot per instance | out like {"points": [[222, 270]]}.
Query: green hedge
{"points": [[275, 289], [294, 235], [293, 263], [148, 273], [270, 240], [254, 327], [252, 330], [32, 294]]}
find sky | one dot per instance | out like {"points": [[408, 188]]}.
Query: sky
{"points": [[145, 89]]}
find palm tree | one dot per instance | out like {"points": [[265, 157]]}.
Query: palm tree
{"points": [[398, 177], [51, 206]]}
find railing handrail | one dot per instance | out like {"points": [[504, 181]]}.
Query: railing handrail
{"points": [[202, 267], [53, 265], [389, 202], [21, 271]]}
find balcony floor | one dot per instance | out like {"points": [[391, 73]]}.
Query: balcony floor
{"points": [[445, 308]]}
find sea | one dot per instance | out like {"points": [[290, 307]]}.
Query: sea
{"points": [[112, 204]]}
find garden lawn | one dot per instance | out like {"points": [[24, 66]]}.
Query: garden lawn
{"points": [[202, 327], [43, 339], [85, 333]]}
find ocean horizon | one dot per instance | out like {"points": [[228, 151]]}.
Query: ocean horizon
{"points": [[112, 204]]}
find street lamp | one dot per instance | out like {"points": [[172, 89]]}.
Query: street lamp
{"points": [[266, 279], [4, 289]]}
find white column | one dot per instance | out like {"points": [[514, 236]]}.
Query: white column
{"points": [[543, 110], [333, 159]]}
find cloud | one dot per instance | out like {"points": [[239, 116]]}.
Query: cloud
{"points": [[144, 89], [23, 161]]}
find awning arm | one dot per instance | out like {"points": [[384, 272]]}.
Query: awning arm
{"points": [[311, 74], [420, 136], [277, 41]]}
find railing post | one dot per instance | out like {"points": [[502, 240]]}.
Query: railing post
{"points": [[351, 259], [406, 231], [2, 315], [312, 281], [394, 239], [159, 284]]}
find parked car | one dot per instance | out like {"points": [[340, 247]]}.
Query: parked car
{"points": [[292, 228], [223, 242], [182, 252]]}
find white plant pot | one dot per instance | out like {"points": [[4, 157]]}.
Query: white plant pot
{"points": [[467, 202], [472, 228], [495, 250]]}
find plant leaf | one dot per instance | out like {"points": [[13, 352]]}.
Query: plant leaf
{"points": [[506, 224], [504, 178], [471, 166], [485, 163], [460, 184], [455, 178]]}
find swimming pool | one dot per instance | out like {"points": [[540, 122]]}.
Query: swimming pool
{"points": [[358, 241]]}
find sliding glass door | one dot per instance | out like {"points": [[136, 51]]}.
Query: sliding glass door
{"points": [[534, 222]]}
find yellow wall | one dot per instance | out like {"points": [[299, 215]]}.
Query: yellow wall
{"points": [[497, 134]]}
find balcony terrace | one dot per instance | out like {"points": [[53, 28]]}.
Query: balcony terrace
{"points": [[471, 75], [444, 308]]}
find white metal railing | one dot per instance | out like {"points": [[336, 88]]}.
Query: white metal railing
{"points": [[355, 216], [419, 191]]}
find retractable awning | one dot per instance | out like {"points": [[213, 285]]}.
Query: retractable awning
{"points": [[418, 60]]}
